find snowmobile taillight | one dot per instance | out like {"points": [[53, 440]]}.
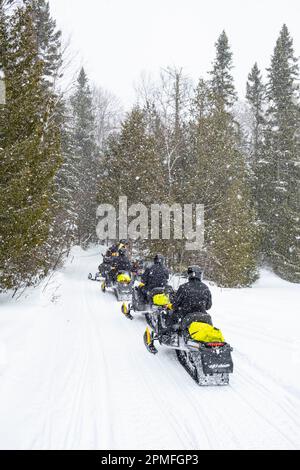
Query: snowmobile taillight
{"points": [[215, 345]]}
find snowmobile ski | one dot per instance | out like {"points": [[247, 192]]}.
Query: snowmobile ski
{"points": [[126, 311], [94, 279], [149, 342]]}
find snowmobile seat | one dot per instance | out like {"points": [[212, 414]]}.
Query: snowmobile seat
{"points": [[195, 317], [157, 291]]}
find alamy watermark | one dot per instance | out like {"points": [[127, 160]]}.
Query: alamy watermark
{"points": [[157, 222]]}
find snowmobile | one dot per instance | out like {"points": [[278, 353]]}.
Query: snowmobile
{"points": [[103, 269], [121, 286], [200, 348], [157, 298]]}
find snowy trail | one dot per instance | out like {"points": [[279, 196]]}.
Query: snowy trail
{"points": [[76, 375]]}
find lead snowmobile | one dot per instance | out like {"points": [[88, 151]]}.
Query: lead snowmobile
{"points": [[200, 348], [149, 305], [121, 285]]}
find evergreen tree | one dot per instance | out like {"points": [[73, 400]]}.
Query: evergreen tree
{"points": [[256, 98], [220, 179], [220, 182], [29, 158], [85, 159], [222, 85], [3, 45], [48, 40], [282, 161], [133, 168]]}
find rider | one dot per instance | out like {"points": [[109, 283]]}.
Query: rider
{"points": [[192, 297], [113, 251], [123, 244], [155, 276], [120, 263]]}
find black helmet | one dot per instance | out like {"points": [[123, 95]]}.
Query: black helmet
{"points": [[122, 251], [159, 259], [194, 272]]}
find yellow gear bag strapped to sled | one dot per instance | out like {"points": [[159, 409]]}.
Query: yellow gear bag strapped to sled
{"points": [[205, 333], [161, 299], [124, 278]]}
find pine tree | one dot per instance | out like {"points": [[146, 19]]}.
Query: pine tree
{"points": [[133, 168], [29, 158], [48, 40], [255, 95], [282, 161], [85, 158], [3, 45], [222, 85], [220, 179], [220, 182]]}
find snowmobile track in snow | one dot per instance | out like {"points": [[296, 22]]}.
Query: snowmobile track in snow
{"points": [[79, 376]]}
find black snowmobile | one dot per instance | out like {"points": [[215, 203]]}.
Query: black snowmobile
{"points": [[149, 306], [200, 348], [103, 269], [121, 285]]}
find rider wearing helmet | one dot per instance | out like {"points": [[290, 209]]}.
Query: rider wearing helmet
{"points": [[192, 297], [122, 262], [112, 251], [123, 244], [157, 275]]}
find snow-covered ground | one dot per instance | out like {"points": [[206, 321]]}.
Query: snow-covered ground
{"points": [[74, 373]]}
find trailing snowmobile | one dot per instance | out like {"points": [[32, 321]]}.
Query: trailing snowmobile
{"points": [[200, 348], [121, 285], [150, 306]]}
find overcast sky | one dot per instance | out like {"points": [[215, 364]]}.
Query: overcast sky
{"points": [[117, 40]]}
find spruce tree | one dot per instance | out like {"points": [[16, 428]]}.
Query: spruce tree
{"points": [[220, 179], [282, 161], [85, 159], [3, 45], [222, 84], [29, 158], [133, 168], [255, 96], [48, 40]]}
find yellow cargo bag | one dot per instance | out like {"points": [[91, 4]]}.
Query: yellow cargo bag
{"points": [[161, 299], [205, 333], [124, 278]]}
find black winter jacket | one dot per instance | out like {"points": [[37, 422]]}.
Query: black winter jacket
{"points": [[192, 297], [121, 263], [155, 276]]}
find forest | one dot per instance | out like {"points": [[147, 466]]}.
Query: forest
{"points": [[65, 151]]}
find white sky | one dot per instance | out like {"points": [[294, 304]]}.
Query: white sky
{"points": [[116, 40]]}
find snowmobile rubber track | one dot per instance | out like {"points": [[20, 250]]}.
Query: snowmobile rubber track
{"points": [[193, 374], [219, 380]]}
